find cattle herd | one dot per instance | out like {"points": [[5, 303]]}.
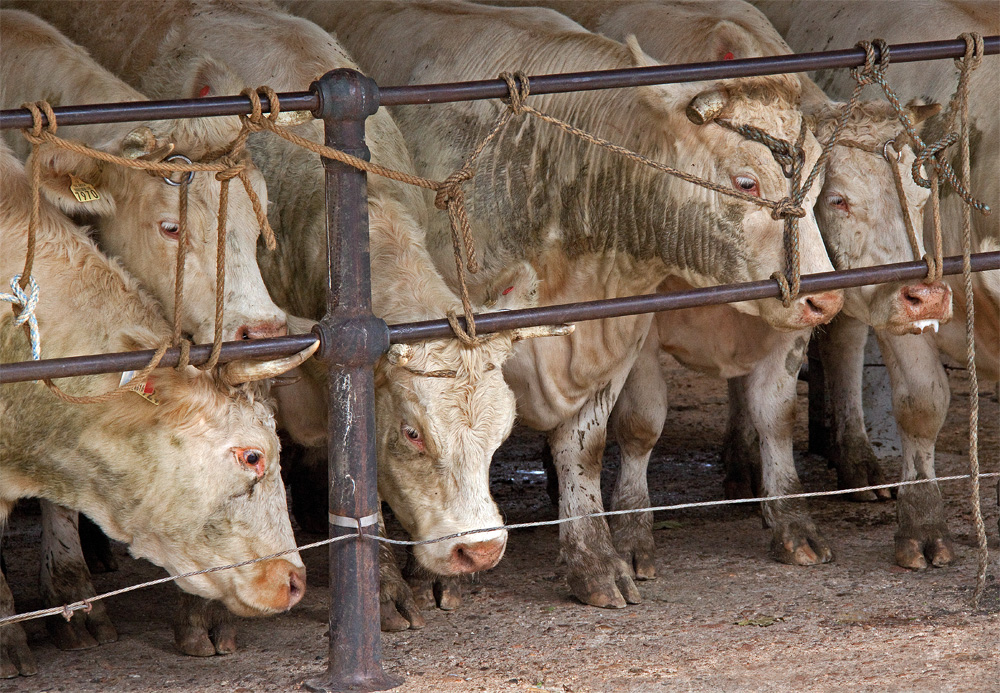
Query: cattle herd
{"points": [[188, 475]]}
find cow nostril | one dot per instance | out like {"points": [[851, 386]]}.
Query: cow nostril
{"points": [[296, 587], [243, 332], [813, 306]]}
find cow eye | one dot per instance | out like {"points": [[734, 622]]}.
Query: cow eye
{"points": [[170, 229], [413, 436], [837, 202], [251, 458], [746, 184]]}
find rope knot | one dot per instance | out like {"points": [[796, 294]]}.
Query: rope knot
{"points": [[928, 155], [517, 90], [974, 51], [235, 166], [255, 121], [40, 110], [870, 72], [27, 301], [786, 208], [450, 189]]}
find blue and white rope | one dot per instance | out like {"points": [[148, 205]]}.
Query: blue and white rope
{"points": [[28, 302]]}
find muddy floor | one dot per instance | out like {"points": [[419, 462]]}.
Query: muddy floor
{"points": [[720, 616]]}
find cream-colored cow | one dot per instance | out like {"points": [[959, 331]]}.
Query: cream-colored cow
{"points": [[593, 225], [920, 391], [189, 483]]}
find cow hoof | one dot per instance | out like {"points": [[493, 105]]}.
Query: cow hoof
{"points": [[194, 642], [15, 656], [400, 614], [73, 634], [916, 554], [448, 593], [605, 592], [632, 535], [800, 550], [223, 637]]}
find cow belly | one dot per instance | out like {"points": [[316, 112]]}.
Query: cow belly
{"points": [[715, 340], [553, 378]]}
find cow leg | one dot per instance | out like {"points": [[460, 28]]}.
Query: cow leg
{"points": [[741, 448], [430, 589], [15, 655], [203, 627], [398, 608], [96, 547], [842, 349], [597, 574], [637, 421], [768, 394], [920, 398], [65, 578]]}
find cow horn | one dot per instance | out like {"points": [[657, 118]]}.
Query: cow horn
{"points": [[706, 106], [293, 118], [522, 333], [399, 354], [245, 371], [158, 154]]}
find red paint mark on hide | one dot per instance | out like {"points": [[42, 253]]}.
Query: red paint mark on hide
{"points": [[147, 389], [507, 290], [204, 91], [729, 56]]}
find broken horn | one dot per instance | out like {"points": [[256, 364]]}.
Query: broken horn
{"points": [[706, 106], [293, 118], [522, 333], [399, 354], [245, 371]]}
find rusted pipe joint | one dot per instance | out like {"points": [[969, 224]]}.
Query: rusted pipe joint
{"points": [[351, 341], [345, 94]]}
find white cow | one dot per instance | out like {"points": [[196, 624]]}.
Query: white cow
{"points": [[189, 482], [436, 435], [136, 219], [920, 391], [858, 200], [592, 224]]}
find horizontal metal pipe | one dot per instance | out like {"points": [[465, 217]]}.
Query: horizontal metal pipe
{"points": [[495, 88], [118, 362], [667, 74], [494, 322], [712, 295]]}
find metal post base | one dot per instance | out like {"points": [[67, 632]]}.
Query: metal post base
{"points": [[332, 683]]}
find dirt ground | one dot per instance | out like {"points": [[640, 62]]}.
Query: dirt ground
{"points": [[720, 616]]}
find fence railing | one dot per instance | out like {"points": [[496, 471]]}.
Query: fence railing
{"points": [[352, 338]]}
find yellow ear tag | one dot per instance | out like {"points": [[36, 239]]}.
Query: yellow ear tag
{"points": [[144, 390], [82, 190]]}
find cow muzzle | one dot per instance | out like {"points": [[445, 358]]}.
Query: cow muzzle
{"points": [[925, 301], [278, 586], [472, 557], [818, 309]]}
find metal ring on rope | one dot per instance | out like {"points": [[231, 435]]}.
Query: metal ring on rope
{"points": [[184, 179], [885, 151]]}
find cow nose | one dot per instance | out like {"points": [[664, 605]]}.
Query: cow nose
{"points": [[817, 309], [925, 301], [471, 558], [261, 330], [296, 586]]}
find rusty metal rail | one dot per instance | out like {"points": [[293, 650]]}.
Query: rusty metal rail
{"points": [[495, 322], [496, 88], [353, 338]]}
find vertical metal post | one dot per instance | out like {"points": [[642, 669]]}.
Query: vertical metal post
{"points": [[352, 339]]}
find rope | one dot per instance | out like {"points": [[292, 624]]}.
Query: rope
{"points": [[67, 610], [960, 104], [27, 301], [139, 377], [227, 164]]}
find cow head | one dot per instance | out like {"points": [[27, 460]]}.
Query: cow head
{"points": [[442, 409], [861, 216], [189, 478], [136, 219], [745, 242]]}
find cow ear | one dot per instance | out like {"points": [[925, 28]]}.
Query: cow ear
{"points": [[672, 100], [205, 76], [727, 41], [515, 287], [73, 182]]}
